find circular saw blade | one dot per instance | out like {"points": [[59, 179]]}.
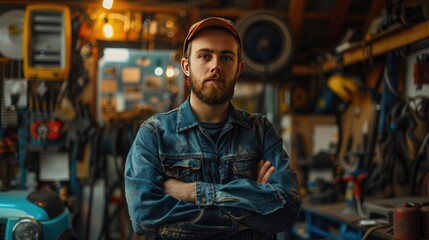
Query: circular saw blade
{"points": [[11, 31]]}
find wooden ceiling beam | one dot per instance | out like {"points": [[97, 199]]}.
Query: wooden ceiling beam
{"points": [[212, 3], [317, 15], [224, 12], [336, 21], [257, 4], [118, 6], [296, 18]]}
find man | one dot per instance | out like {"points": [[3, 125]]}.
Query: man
{"points": [[207, 169]]}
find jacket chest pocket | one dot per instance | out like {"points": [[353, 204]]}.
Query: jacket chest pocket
{"points": [[186, 170], [244, 168]]}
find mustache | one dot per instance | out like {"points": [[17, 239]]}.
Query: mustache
{"points": [[214, 76]]}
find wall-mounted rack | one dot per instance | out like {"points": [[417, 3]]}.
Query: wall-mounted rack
{"points": [[371, 47]]}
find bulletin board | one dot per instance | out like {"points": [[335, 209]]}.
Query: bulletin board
{"points": [[132, 79]]}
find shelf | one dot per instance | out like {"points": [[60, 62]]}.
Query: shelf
{"points": [[3, 60], [372, 47]]}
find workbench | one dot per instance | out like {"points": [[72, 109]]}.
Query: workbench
{"points": [[335, 221]]}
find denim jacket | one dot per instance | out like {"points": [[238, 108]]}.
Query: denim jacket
{"points": [[229, 203]]}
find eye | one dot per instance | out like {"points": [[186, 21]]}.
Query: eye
{"points": [[227, 58], [205, 56]]}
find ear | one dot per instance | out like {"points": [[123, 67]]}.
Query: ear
{"points": [[185, 66], [239, 69]]}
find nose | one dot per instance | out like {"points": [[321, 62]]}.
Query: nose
{"points": [[216, 67]]}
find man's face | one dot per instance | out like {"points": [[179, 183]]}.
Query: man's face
{"points": [[213, 66]]}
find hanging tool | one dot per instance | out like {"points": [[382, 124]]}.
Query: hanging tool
{"points": [[64, 109], [388, 95], [80, 130], [39, 130], [354, 177], [53, 123]]}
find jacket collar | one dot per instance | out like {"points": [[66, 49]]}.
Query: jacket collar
{"points": [[186, 118]]}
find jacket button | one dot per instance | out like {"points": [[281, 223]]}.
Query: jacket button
{"points": [[204, 199]]}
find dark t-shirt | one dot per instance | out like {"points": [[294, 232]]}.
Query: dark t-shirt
{"points": [[213, 129]]}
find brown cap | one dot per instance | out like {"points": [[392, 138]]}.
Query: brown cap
{"points": [[211, 22]]}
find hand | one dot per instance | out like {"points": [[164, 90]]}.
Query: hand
{"points": [[264, 171], [180, 190]]}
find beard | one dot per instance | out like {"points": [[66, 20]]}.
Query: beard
{"points": [[212, 95]]}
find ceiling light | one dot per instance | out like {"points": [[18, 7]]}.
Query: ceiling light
{"points": [[107, 4], [107, 29]]}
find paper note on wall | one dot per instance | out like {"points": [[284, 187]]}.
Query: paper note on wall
{"points": [[54, 167]]}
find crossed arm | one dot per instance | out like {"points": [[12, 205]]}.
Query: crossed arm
{"points": [[186, 191], [167, 207]]}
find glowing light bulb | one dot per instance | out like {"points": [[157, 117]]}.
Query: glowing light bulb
{"points": [[107, 4], [158, 71], [108, 30], [169, 72]]}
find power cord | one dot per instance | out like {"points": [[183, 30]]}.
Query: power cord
{"points": [[374, 228]]}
